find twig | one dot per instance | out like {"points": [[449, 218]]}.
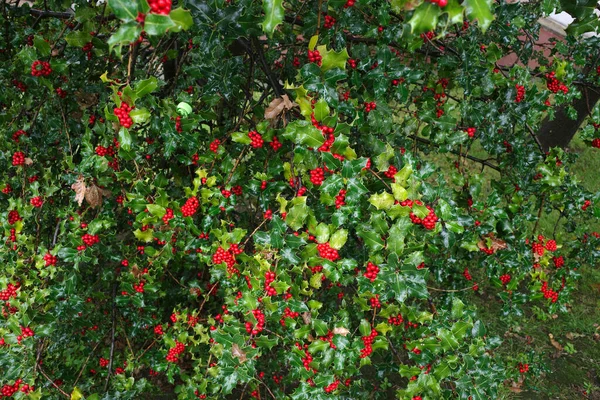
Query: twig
{"points": [[535, 138], [66, 128], [254, 231], [54, 384], [449, 290], [56, 233], [145, 350], [537, 221], [237, 162], [378, 177], [85, 363], [131, 64], [112, 335]]}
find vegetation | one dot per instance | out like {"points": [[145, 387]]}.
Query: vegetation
{"points": [[303, 199]]}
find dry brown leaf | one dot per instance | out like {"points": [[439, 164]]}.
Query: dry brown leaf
{"points": [[340, 331], [554, 343], [28, 161], [277, 106], [572, 335], [306, 317], [238, 353], [495, 243], [93, 195], [86, 100], [80, 189]]}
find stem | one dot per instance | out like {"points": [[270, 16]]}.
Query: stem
{"points": [[112, 335]]}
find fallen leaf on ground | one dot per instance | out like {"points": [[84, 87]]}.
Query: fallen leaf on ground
{"points": [[554, 343]]}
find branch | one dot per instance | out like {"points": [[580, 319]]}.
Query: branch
{"points": [[54, 384], [470, 157], [265, 67], [51, 14], [112, 335]]}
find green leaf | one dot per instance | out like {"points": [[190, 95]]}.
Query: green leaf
{"points": [[182, 19], [274, 13], [241, 137], [140, 115], [400, 193], [146, 86], [157, 210], [371, 239], [297, 214], [455, 12], [124, 139], [322, 233], [157, 24], [425, 18], [127, 33], [42, 47], [320, 327], [125, 10], [145, 236], [303, 132], [338, 239], [364, 327], [321, 110], [333, 59], [481, 11], [382, 201], [78, 38]]}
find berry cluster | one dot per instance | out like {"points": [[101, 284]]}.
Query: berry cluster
{"points": [[520, 93], [588, 203], [20, 85], [175, 352], [25, 333], [306, 360], [334, 385], [370, 106], [548, 292], [352, 63], [428, 222], [41, 68], [372, 271], [327, 252], [596, 143], [558, 261], [505, 279], [315, 57], [13, 216], [227, 257], [18, 133], [168, 215], [260, 323], [467, 274], [123, 114], [190, 207], [523, 368], [60, 92], [178, 126], [340, 198], [329, 22], [18, 158], [9, 292], [397, 320], [257, 140], [50, 259], [13, 235], [471, 131], [368, 341], [287, 313], [554, 85], [9, 390], [375, 303], [160, 6], [317, 176], [158, 329], [90, 240], [139, 287], [214, 145], [36, 201], [269, 278], [275, 143], [349, 3]]}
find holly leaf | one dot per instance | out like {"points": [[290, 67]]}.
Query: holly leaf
{"points": [[125, 10], [333, 59], [182, 19], [425, 18], [274, 13], [480, 10], [157, 24]]}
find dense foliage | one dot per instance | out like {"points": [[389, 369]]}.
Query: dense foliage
{"points": [[244, 197]]}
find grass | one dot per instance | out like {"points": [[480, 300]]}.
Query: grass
{"points": [[573, 373]]}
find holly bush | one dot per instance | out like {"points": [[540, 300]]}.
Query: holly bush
{"points": [[268, 199]]}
